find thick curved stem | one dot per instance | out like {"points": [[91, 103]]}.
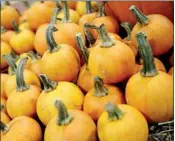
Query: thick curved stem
{"points": [[15, 27], [48, 84], [88, 7], [101, 9], [64, 117], [89, 36], [3, 127], [82, 47], [21, 85], [128, 27], [66, 18], [3, 29], [11, 63], [114, 113], [140, 17], [99, 88], [53, 47], [33, 56], [58, 5], [54, 16], [149, 69], [106, 40]]}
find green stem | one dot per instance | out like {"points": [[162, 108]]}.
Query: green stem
{"points": [[128, 27], [2, 107], [48, 84], [3, 127], [54, 16], [89, 36], [114, 113], [66, 12], [33, 56], [140, 17], [11, 63], [101, 9], [3, 29], [14, 56], [26, 3], [58, 5], [88, 7], [64, 117], [21, 85], [15, 27], [149, 69], [106, 40], [82, 47], [99, 88], [53, 47]]}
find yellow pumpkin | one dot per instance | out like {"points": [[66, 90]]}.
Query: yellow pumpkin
{"points": [[68, 92], [122, 123], [4, 117], [150, 91], [70, 125]]}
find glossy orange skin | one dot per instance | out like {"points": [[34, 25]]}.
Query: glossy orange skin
{"points": [[119, 9], [23, 128], [36, 67], [115, 68], [40, 13], [6, 36], [131, 45], [86, 131], [94, 105], [23, 103], [40, 43], [171, 71], [4, 78], [159, 33], [57, 65], [85, 79], [72, 4], [8, 14], [142, 92], [70, 29], [111, 25], [29, 77], [5, 49]]}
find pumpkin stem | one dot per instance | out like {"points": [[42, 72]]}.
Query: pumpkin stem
{"points": [[3, 29], [2, 107], [99, 88], [64, 117], [58, 5], [66, 18], [82, 47], [106, 40], [114, 113], [53, 47], [14, 56], [15, 27], [11, 64], [149, 69], [88, 7], [140, 17], [21, 85], [26, 4], [128, 27], [101, 9], [89, 36], [3, 127], [54, 16], [33, 56], [48, 84]]}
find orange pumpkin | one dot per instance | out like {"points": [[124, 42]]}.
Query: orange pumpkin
{"points": [[97, 98], [40, 41], [150, 91], [62, 127], [6, 34], [55, 57], [16, 131], [85, 79], [22, 101], [4, 117], [110, 22], [4, 78], [119, 9], [128, 27], [159, 30], [116, 68], [40, 13], [9, 14], [171, 71]]}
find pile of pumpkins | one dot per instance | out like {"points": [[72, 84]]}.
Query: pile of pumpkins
{"points": [[69, 76]]}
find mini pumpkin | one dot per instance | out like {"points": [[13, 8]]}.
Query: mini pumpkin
{"points": [[6, 34]]}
